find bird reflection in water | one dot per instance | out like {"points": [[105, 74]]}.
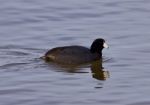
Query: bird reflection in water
{"points": [[97, 70]]}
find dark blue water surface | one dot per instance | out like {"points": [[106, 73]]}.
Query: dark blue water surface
{"points": [[28, 28]]}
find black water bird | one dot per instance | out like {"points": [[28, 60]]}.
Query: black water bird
{"points": [[74, 55]]}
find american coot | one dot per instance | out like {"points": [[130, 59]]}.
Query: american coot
{"points": [[76, 54]]}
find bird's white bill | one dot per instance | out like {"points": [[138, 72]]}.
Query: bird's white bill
{"points": [[105, 45]]}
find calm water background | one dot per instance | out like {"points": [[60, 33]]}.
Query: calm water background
{"points": [[28, 28]]}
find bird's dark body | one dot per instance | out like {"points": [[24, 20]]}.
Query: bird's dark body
{"points": [[71, 55]]}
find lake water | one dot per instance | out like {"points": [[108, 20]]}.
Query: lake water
{"points": [[28, 28]]}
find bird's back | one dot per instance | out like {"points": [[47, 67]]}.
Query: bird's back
{"points": [[71, 55]]}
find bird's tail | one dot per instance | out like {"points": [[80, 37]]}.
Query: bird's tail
{"points": [[43, 57]]}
